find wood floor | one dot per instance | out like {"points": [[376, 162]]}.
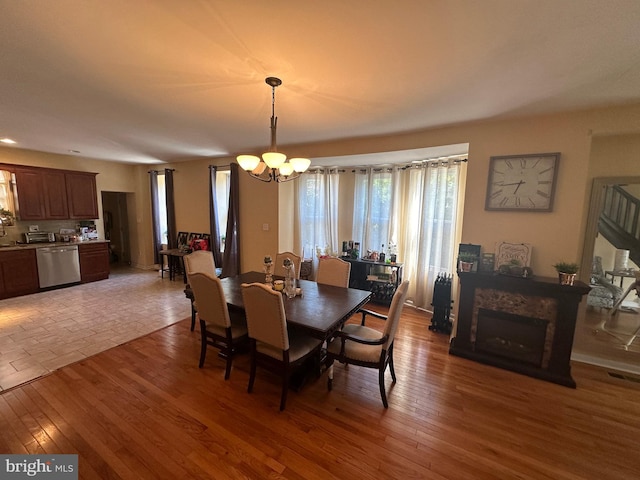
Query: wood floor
{"points": [[144, 410]]}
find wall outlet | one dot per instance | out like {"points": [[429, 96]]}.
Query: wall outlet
{"points": [[265, 227]]}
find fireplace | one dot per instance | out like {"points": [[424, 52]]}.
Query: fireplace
{"points": [[525, 325], [515, 337]]}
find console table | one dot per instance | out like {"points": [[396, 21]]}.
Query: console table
{"points": [[525, 325]]}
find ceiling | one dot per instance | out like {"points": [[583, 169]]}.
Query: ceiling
{"points": [[150, 81]]}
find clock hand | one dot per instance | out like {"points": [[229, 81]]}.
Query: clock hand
{"points": [[519, 183], [515, 183]]}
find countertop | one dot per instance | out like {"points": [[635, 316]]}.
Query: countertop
{"points": [[32, 246]]}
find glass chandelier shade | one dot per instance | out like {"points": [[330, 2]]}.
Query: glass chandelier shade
{"points": [[273, 165]]}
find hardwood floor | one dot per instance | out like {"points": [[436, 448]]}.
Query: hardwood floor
{"points": [[143, 410]]}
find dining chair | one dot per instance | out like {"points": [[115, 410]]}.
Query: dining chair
{"points": [[333, 271], [366, 346], [271, 343], [279, 269], [200, 261], [218, 327]]}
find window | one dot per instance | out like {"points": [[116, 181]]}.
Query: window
{"points": [[318, 212], [372, 213], [223, 185], [162, 209]]}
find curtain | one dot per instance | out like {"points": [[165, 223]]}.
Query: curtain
{"points": [[213, 217], [374, 202], [231, 257], [317, 210], [155, 223], [172, 240], [427, 214]]}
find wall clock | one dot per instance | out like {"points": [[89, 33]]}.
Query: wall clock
{"points": [[522, 182]]}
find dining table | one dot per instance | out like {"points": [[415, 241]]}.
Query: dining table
{"points": [[319, 310]]}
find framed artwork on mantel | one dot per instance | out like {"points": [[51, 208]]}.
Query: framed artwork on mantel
{"points": [[508, 253]]}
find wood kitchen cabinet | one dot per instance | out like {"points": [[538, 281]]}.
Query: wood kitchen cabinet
{"points": [[18, 273], [94, 261], [82, 195], [50, 194]]}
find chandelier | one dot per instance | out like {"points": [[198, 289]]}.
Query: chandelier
{"points": [[273, 165]]}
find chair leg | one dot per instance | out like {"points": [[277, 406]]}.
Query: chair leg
{"points": [[193, 317], [227, 371], [391, 369], [203, 343], [330, 377], [382, 392]]}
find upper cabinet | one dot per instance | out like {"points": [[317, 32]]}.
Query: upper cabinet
{"points": [[82, 195], [49, 194]]}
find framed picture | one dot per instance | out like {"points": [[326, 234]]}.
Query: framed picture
{"points": [[513, 254], [523, 183], [182, 239]]}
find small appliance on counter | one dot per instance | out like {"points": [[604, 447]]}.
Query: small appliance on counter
{"points": [[39, 237]]}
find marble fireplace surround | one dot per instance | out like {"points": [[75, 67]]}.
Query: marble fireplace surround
{"points": [[531, 306]]}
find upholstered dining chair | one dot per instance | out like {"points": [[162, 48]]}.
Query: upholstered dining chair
{"points": [[368, 347], [200, 261], [333, 271], [217, 327], [279, 269], [271, 344]]}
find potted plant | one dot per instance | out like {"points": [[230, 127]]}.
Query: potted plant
{"points": [[6, 216], [466, 261], [566, 272]]}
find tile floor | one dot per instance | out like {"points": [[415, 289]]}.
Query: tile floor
{"points": [[42, 332]]}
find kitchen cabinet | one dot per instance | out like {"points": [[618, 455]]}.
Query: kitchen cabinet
{"points": [[82, 195], [381, 279], [30, 185], [50, 194], [18, 273], [94, 261]]}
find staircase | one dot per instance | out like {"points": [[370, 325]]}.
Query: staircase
{"points": [[618, 221]]}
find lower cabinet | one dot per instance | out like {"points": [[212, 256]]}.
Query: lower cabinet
{"points": [[18, 273], [94, 261]]}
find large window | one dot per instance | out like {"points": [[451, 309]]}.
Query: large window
{"points": [[317, 195], [162, 209]]}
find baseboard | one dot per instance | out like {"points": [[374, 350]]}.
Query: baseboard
{"points": [[605, 363]]}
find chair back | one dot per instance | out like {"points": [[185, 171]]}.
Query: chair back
{"points": [[200, 261], [393, 319], [333, 271], [266, 320], [208, 293], [279, 269]]}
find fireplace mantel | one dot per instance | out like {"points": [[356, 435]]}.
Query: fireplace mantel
{"points": [[523, 301]]}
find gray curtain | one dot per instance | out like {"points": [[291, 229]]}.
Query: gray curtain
{"points": [[213, 217], [231, 257], [156, 234], [171, 210]]}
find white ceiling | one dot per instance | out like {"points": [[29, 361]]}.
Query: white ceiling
{"points": [[149, 81]]}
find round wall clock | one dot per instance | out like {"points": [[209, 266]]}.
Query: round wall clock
{"points": [[522, 182]]}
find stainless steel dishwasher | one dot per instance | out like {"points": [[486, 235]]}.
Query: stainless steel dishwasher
{"points": [[58, 265]]}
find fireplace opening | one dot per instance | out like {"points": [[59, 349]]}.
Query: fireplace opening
{"points": [[511, 336]]}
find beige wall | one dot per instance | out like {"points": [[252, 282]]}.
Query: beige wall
{"points": [[554, 236]]}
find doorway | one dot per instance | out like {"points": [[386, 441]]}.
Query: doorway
{"points": [[116, 227]]}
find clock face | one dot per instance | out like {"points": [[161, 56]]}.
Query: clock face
{"points": [[525, 182]]}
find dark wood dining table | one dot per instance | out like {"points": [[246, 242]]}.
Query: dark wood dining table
{"points": [[319, 311]]}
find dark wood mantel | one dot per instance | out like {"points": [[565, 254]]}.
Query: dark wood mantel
{"points": [[542, 300]]}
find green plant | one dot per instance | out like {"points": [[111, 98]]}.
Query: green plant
{"points": [[467, 257], [566, 267]]}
